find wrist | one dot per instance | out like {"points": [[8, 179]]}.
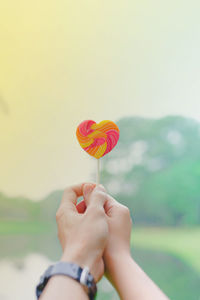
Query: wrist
{"points": [[76, 256], [65, 270], [114, 262], [81, 258]]}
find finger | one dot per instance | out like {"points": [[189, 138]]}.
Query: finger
{"points": [[110, 205], [87, 190], [94, 195], [81, 207], [71, 194]]}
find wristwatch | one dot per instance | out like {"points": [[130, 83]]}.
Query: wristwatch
{"points": [[72, 270]]}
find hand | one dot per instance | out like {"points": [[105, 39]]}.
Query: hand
{"points": [[119, 224], [82, 228]]}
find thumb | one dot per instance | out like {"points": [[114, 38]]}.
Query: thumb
{"points": [[94, 195]]}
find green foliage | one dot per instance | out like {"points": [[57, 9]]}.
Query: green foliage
{"points": [[177, 279], [26, 210], [155, 170], [179, 241], [18, 208]]}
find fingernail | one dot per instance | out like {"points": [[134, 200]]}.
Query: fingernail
{"points": [[101, 187]]}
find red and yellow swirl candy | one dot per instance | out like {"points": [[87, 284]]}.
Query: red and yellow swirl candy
{"points": [[97, 139]]}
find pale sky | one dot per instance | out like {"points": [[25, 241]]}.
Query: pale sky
{"points": [[62, 62]]}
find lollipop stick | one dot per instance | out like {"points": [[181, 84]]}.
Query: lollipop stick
{"points": [[98, 171]]}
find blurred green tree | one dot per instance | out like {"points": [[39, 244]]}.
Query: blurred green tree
{"points": [[155, 170]]}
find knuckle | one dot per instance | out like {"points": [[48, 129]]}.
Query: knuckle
{"points": [[125, 211], [57, 216], [100, 195], [59, 213]]}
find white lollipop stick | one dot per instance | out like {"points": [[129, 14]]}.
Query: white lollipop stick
{"points": [[98, 171]]}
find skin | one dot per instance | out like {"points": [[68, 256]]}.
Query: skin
{"points": [[96, 233], [121, 270], [79, 240]]}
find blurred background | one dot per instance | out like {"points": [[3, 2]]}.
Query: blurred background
{"points": [[134, 62]]}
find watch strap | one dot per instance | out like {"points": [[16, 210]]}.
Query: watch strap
{"points": [[72, 270]]}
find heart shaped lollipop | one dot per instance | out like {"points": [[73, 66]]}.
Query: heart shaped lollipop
{"points": [[97, 139]]}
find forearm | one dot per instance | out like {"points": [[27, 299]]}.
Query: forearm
{"points": [[63, 288], [130, 280]]}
